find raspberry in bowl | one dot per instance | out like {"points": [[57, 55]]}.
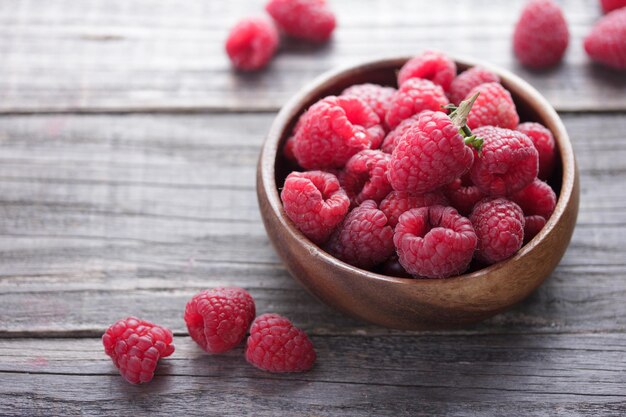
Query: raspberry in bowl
{"points": [[368, 212]]}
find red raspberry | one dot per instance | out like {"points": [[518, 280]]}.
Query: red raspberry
{"points": [[315, 202], [365, 176], [218, 319], [468, 80], [606, 43], [251, 43], [434, 242], [430, 65], [136, 346], [429, 155], [365, 238], [463, 195], [610, 5], [537, 198], [334, 129], [544, 142], [391, 140], [288, 150], [374, 95], [397, 202], [541, 36], [532, 226], [276, 345], [305, 19], [499, 225], [508, 162], [493, 107], [414, 96]]}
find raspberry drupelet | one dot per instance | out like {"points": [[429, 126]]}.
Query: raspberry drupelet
{"points": [[397, 202], [135, 346], [430, 65], [376, 96], [251, 43], [218, 319], [310, 20], [365, 177], [315, 202], [606, 42], [468, 80], [414, 96], [544, 143], [493, 107], [434, 242]]}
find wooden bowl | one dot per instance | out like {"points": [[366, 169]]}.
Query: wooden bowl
{"points": [[407, 303]]}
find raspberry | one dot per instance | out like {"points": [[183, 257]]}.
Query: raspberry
{"points": [[537, 198], [544, 143], [468, 80], [429, 155], [288, 150], [541, 36], [305, 19], [315, 202], [499, 225], [391, 140], [508, 161], [412, 97], [218, 319], [365, 238], [334, 129], [532, 226], [276, 345], [365, 176], [374, 95], [493, 107], [251, 43], [610, 5], [430, 65], [606, 42], [397, 202], [463, 195], [136, 346], [434, 242]]}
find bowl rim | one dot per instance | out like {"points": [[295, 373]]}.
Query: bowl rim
{"points": [[294, 106]]}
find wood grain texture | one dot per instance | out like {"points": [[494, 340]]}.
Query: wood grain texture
{"points": [[112, 55]]}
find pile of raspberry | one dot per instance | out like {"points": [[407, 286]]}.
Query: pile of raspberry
{"points": [[427, 179]]}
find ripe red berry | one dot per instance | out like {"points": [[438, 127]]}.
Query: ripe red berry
{"points": [[468, 80], [541, 36], [434, 242], [334, 129], [251, 43], [288, 150], [610, 5], [374, 95], [315, 202], [544, 143], [414, 96], [391, 140], [606, 43], [276, 345], [397, 202], [499, 226], [305, 19], [135, 346], [532, 226], [463, 195], [537, 198], [364, 239], [508, 161], [218, 319], [430, 65], [493, 107], [365, 176]]}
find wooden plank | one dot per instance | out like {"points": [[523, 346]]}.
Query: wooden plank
{"points": [[579, 374], [114, 56]]}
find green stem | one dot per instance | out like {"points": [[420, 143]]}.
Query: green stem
{"points": [[459, 119]]}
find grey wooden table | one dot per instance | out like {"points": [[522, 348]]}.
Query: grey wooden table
{"points": [[127, 163]]}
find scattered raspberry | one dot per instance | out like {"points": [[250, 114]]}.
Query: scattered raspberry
{"points": [[463, 195], [251, 43], [508, 162], [334, 129], [606, 43], [610, 5], [537, 198], [468, 80], [434, 242], [429, 155], [374, 95], [365, 176], [276, 345], [397, 202], [414, 96], [544, 143], [493, 107], [218, 319], [315, 202], [532, 226], [541, 36], [305, 19], [391, 140], [365, 238], [499, 225], [136, 346], [430, 65]]}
